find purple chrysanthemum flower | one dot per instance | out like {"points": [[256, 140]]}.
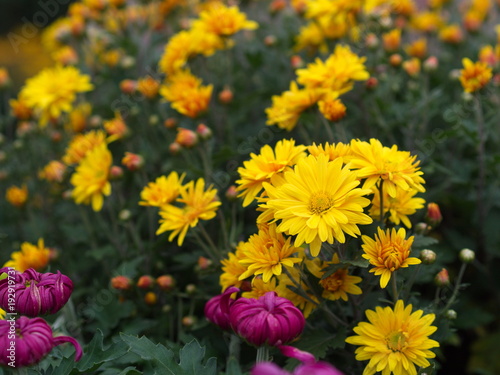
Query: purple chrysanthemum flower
{"points": [[35, 293], [217, 308], [268, 320], [25, 341]]}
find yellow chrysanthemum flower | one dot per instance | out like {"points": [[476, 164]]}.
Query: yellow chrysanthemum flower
{"points": [[30, 256], [427, 21], [78, 117], [451, 34], [17, 196], [81, 144], [474, 76], [388, 252], [399, 207], [379, 163], [417, 49], [222, 20], [198, 205], [266, 253], [262, 167], [331, 107], [186, 94], [91, 177], [259, 288], [306, 305], [333, 151], [116, 127], [338, 284], [53, 171], [337, 73], [232, 269], [312, 37], [395, 340], [164, 190], [319, 202], [2, 314], [53, 91], [287, 107]]}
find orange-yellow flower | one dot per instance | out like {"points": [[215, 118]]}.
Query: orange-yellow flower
{"points": [[17, 196], [232, 269], [81, 144], [332, 150], [116, 127], [164, 190], [392, 40], [332, 108], [148, 86], [30, 256], [474, 76], [222, 20], [53, 171]]}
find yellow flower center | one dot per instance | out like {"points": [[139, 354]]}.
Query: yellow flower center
{"points": [[320, 202], [396, 341], [333, 282]]}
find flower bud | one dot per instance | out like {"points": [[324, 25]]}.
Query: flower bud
{"points": [[451, 314], [204, 263], [427, 256], [132, 161], [174, 148], [412, 67], [395, 60], [226, 96], [231, 193], [189, 321], [166, 282], [128, 86], [191, 289], [433, 216], [145, 282], [371, 41], [431, 64], [371, 83], [170, 123], [36, 293], [217, 308], [467, 255], [270, 40], [203, 131], [121, 283], [186, 138], [268, 320], [421, 228], [442, 278], [296, 62], [150, 298], [115, 172], [33, 341], [154, 120], [277, 5]]}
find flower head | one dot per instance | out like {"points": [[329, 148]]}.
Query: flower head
{"points": [[399, 207], [474, 76], [221, 20], [268, 320], [30, 256], [199, 204], [164, 190], [232, 269], [17, 196], [116, 127], [217, 308], [53, 171], [36, 293], [91, 178], [333, 151], [332, 108], [33, 341], [388, 252], [81, 144], [395, 340], [319, 202]]}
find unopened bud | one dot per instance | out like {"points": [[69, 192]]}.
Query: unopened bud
{"points": [[128, 86], [166, 308], [226, 96], [121, 282], [174, 148], [190, 289], [115, 172], [95, 121], [371, 41], [204, 263], [442, 278], [296, 62], [150, 298], [231, 193], [371, 83], [188, 321], [124, 215], [433, 216], [427, 256], [451, 314], [270, 40], [431, 64], [170, 123], [395, 60], [203, 131], [467, 255], [145, 282], [154, 120], [186, 137], [132, 161], [166, 282], [421, 228]]}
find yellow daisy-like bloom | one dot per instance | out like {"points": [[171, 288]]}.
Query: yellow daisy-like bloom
{"points": [[399, 207], [338, 284], [474, 76], [333, 151], [116, 127], [198, 205], [259, 288], [81, 144], [337, 73], [91, 177], [312, 37], [418, 48], [451, 34], [262, 167], [20, 109], [222, 20], [388, 252], [53, 171], [287, 107], [266, 253], [306, 305], [164, 190], [332, 108], [53, 91], [232, 269], [30, 256], [78, 117], [379, 163], [319, 202], [17, 196], [186, 94], [395, 340], [427, 21]]}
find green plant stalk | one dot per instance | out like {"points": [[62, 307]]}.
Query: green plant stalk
{"points": [[455, 289], [234, 348], [481, 181], [394, 284], [410, 283], [210, 243], [381, 201], [262, 354]]}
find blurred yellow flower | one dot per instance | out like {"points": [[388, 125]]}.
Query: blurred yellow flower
{"points": [[30, 256], [262, 167], [333, 151], [116, 127], [53, 171], [427, 21], [199, 204], [331, 107], [91, 177], [232, 269], [164, 190], [148, 86], [2, 314], [20, 109], [388, 252], [222, 20], [474, 76], [259, 288], [319, 202], [392, 40], [418, 48], [17, 196], [53, 91], [81, 144], [78, 117], [451, 34]]}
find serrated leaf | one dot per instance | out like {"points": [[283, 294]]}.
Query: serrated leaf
{"points": [[318, 342], [233, 367], [95, 354], [191, 358]]}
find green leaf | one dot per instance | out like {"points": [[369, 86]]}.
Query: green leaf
{"points": [[95, 354], [191, 357], [233, 367], [421, 242]]}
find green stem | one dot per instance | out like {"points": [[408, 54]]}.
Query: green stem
{"points": [[482, 170], [456, 288], [210, 243], [234, 348], [410, 283], [262, 354], [394, 284], [381, 201]]}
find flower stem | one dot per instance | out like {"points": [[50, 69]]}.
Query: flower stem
{"points": [[456, 288], [234, 348], [381, 201], [482, 170], [262, 354], [394, 284]]}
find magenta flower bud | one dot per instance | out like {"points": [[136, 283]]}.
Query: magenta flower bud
{"points": [[35, 293], [217, 308], [268, 320], [26, 341]]}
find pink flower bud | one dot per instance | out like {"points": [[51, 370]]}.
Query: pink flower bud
{"points": [[203, 131], [433, 216], [268, 320], [33, 340], [36, 293], [217, 308], [442, 278], [145, 282], [121, 282]]}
